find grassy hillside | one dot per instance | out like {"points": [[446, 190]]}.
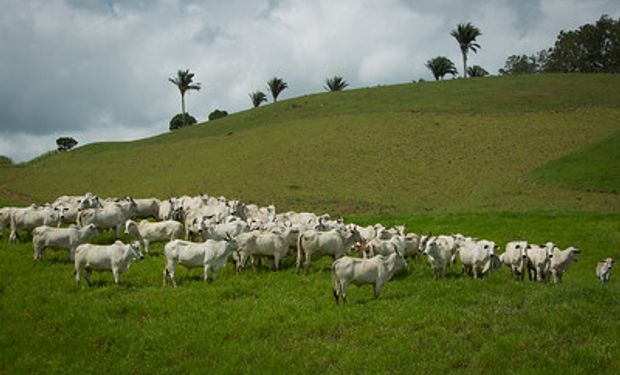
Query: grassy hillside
{"points": [[593, 168], [454, 146], [280, 322]]}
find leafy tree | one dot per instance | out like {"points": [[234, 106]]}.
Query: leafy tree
{"points": [[257, 98], [466, 34], [440, 66], [181, 120], [184, 82], [276, 86], [335, 84], [523, 64], [477, 71], [66, 143], [592, 48], [217, 114]]}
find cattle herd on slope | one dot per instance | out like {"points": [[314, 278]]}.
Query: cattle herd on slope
{"points": [[204, 232]]}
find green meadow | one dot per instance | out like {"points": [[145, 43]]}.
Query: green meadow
{"points": [[526, 157]]}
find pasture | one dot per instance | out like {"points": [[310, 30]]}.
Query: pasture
{"points": [[501, 158]]}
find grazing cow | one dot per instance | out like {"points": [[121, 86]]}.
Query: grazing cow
{"points": [[603, 269], [539, 261], [560, 262], [515, 257], [147, 233], [270, 244], [116, 258], [477, 257], [61, 238], [336, 243], [211, 255], [147, 207], [377, 271], [439, 253], [5, 219], [31, 217], [113, 215]]}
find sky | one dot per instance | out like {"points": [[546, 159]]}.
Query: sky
{"points": [[97, 70]]}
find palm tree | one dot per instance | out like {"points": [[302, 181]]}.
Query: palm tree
{"points": [[335, 84], [440, 66], [466, 34], [477, 71], [276, 86], [257, 98], [183, 81]]}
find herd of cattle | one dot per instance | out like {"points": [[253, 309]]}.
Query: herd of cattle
{"points": [[203, 231]]}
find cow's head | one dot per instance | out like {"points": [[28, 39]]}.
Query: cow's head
{"points": [[135, 249]]}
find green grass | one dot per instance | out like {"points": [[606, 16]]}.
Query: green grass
{"points": [[593, 168], [457, 146], [287, 323]]}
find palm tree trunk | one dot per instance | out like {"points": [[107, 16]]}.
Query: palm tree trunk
{"points": [[464, 64], [183, 108]]}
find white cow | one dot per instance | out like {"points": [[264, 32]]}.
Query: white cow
{"points": [[5, 219], [439, 253], [171, 209], [334, 242], [113, 215], [211, 255], [147, 207], [116, 258], [560, 262], [539, 261], [477, 257], [270, 244], [377, 271], [603, 269], [220, 232], [74, 203], [147, 233], [61, 238], [31, 217], [515, 257]]}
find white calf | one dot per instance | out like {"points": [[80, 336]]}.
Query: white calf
{"points": [[147, 207], [116, 258], [515, 257], [477, 257], [211, 255], [377, 270], [60, 238], [603, 269], [439, 253], [539, 261]]}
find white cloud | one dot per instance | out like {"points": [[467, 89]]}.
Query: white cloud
{"points": [[97, 71]]}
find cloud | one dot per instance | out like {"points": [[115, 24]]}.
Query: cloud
{"points": [[98, 70]]}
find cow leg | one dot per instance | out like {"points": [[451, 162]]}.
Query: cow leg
{"points": [[343, 290], [117, 230], [378, 286], [87, 277], [336, 290], [206, 272], [147, 246], [77, 274], [116, 275], [307, 263], [276, 262]]}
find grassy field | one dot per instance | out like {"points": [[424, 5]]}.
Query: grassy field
{"points": [[503, 158], [287, 323], [458, 146]]}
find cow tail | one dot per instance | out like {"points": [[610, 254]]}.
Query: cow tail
{"points": [[336, 289]]}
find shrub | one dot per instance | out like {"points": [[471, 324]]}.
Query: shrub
{"points": [[66, 143], [177, 121], [5, 161], [217, 114]]}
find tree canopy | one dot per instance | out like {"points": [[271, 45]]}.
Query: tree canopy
{"points": [[66, 143], [276, 86], [466, 34], [335, 83], [257, 98], [440, 66]]}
